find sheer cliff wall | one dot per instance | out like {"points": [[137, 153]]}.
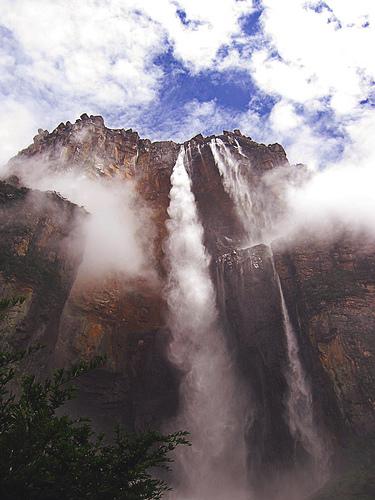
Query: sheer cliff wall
{"points": [[329, 287]]}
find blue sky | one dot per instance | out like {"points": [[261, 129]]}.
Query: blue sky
{"points": [[297, 72]]}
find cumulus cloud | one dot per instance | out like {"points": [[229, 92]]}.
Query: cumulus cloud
{"points": [[324, 55], [309, 67], [17, 127], [58, 60], [201, 28], [321, 66], [98, 51]]}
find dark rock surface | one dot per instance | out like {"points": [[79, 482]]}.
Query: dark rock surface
{"points": [[250, 304], [330, 292], [40, 251], [329, 287]]}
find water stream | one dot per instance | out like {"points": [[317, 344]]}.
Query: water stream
{"points": [[300, 411], [236, 185], [214, 467], [299, 406]]}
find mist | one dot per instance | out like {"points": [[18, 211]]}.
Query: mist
{"points": [[211, 406], [337, 196], [341, 195], [118, 230]]}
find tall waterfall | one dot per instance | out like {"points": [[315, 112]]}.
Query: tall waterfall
{"points": [[236, 185], [214, 466], [300, 413]]}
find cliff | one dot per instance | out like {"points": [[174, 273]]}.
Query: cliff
{"points": [[330, 293], [328, 287], [40, 252]]}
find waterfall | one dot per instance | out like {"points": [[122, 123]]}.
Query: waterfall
{"points": [[236, 185], [299, 407], [300, 412], [252, 207], [240, 150], [213, 468]]}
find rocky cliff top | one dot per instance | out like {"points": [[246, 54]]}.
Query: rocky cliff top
{"points": [[89, 145]]}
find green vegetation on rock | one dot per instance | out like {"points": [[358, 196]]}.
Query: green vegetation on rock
{"points": [[45, 455]]}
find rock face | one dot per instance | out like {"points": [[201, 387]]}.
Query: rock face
{"points": [[121, 319], [40, 251], [329, 287], [250, 303]]}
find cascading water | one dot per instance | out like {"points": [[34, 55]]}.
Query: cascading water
{"points": [[300, 412], [239, 147], [299, 402], [235, 184], [214, 466], [251, 206]]}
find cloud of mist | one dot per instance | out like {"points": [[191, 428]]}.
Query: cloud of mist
{"points": [[118, 231], [342, 194], [339, 197]]}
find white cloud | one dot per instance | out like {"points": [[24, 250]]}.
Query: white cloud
{"points": [[58, 61], [61, 59], [99, 51], [322, 54], [342, 195], [284, 117], [209, 25], [17, 127], [315, 57]]}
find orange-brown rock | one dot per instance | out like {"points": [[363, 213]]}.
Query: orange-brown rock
{"points": [[40, 251], [329, 286], [330, 291]]}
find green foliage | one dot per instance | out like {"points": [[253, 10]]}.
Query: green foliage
{"points": [[46, 456]]}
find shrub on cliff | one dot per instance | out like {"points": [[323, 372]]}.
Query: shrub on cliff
{"points": [[46, 456]]}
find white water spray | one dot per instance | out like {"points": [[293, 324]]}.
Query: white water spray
{"points": [[235, 184], [299, 403], [300, 412], [240, 150], [252, 207], [213, 468]]}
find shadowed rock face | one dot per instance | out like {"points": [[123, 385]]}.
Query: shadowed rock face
{"points": [[41, 248], [328, 287], [40, 251], [330, 291], [119, 318], [250, 303]]}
